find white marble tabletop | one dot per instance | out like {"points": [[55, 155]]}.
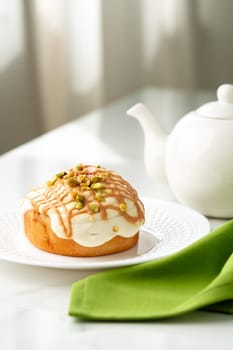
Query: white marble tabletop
{"points": [[34, 300]]}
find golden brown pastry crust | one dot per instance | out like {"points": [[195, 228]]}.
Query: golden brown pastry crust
{"points": [[39, 232]]}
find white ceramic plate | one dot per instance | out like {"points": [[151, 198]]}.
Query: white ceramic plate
{"points": [[168, 228]]}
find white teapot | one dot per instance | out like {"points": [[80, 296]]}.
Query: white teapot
{"points": [[196, 159]]}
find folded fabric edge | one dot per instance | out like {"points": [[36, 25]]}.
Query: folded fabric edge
{"points": [[77, 307], [77, 301], [225, 307]]}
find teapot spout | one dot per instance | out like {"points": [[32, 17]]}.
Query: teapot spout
{"points": [[155, 142]]}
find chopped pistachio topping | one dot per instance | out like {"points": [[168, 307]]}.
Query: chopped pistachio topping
{"points": [[108, 190], [81, 178], [74, 193], [78, 205], [87, 182], [123, 207], [60, 175], [94, 207], [96, 178], [79, 167], [97, 186], [79, 198], [115, 228], [51, 182], [72, 182], [99, 197], [85, 188]]}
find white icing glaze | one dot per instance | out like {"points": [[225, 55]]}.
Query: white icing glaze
{"points": [[84, 232]]}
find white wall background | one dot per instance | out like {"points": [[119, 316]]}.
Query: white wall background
{"points": [[19, 109], [60, 59]]}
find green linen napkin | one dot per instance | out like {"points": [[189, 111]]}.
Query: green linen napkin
{"points": [[199, 276]]}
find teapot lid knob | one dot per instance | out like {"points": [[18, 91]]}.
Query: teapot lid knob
{"points": [[225, 93], [222, 108]]}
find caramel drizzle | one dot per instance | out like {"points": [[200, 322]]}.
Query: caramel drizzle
{"points": [[58, 196]]}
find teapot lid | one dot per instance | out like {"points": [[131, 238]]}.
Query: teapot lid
{"points": [[222, 108]]}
